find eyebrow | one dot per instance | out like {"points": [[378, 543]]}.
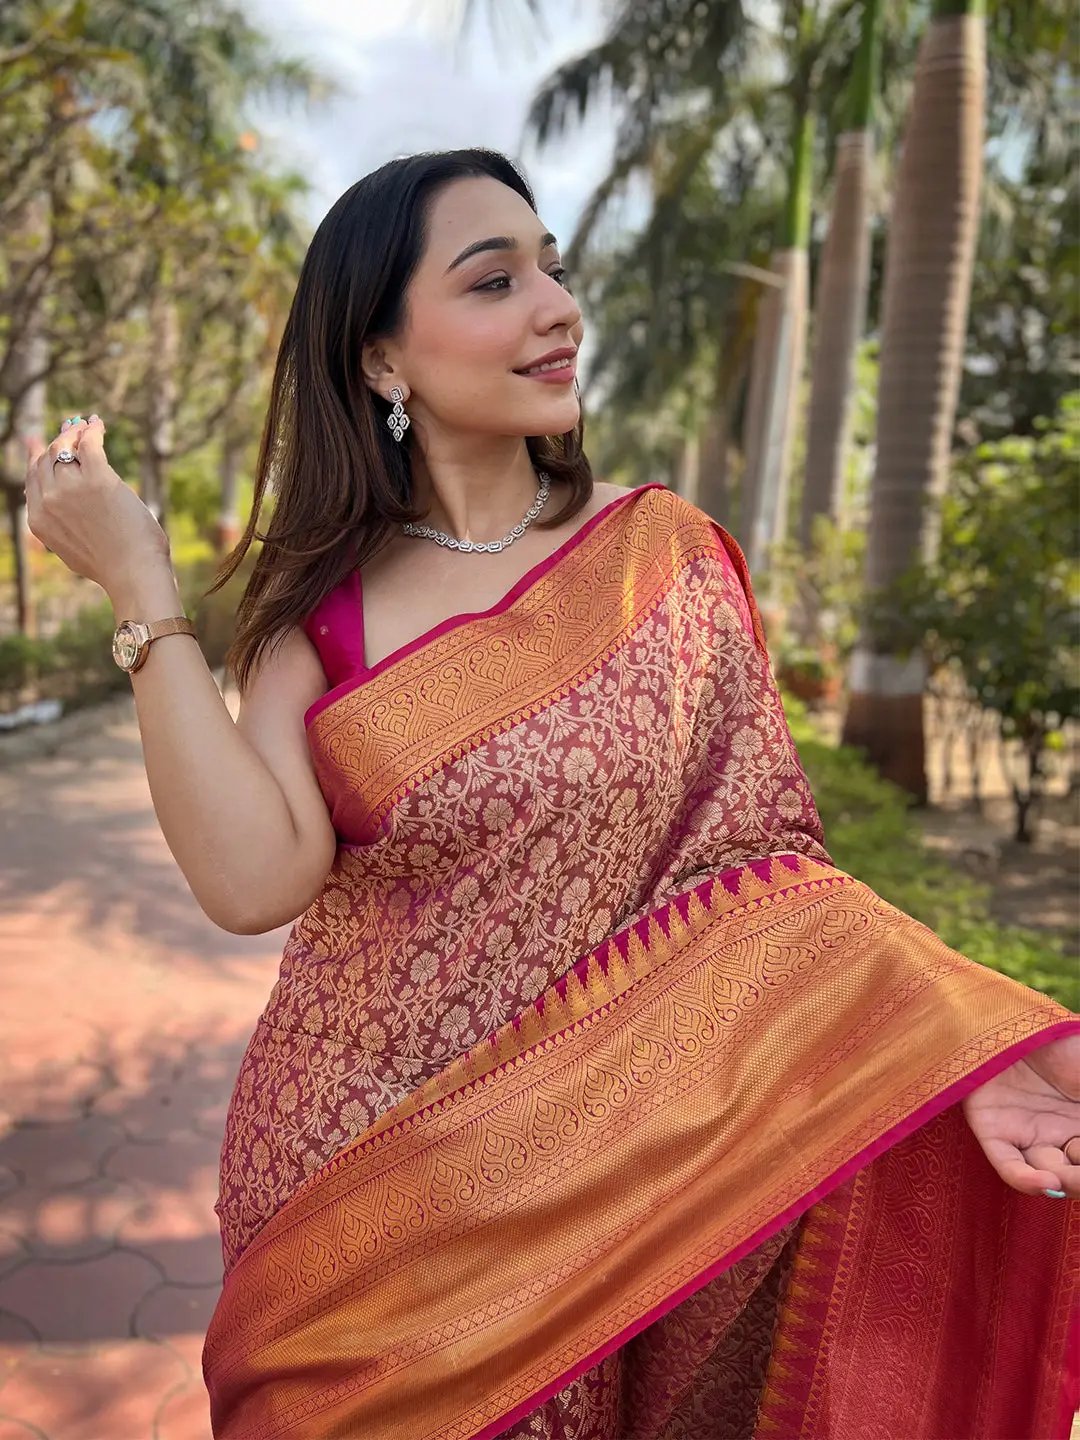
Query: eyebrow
{"points": [[496, 242]]}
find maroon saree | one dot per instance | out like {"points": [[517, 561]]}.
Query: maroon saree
{"points": [[593, 1102]]}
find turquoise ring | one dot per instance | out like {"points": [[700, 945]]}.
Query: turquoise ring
{"points": [[73, 419]]}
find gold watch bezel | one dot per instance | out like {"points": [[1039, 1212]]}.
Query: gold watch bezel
{"points": [[133, 632]]}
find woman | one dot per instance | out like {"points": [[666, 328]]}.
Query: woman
{"points": [[592, 1100]]}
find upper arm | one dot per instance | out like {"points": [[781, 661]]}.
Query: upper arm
{"points": [[288, 679]]}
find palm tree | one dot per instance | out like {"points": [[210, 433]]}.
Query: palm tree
{"points": [[703, 90], [931, 244], [843, 279], [780, 343]]}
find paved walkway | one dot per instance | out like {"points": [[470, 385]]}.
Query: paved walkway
{"points": [[123, 1017]]}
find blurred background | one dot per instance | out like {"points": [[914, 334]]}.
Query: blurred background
{"points": [[827, 253]]}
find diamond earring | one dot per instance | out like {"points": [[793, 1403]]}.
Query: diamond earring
{"points": [[397, 419]]}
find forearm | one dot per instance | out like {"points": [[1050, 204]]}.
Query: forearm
{"points": [[223, 815]]}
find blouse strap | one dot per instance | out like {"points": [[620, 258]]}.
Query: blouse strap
{"points": [[336, 629]]}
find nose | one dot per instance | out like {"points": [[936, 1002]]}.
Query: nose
{"points": [[557, 307]]}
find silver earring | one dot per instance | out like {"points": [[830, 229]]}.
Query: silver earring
{"points": [[397, 419]]}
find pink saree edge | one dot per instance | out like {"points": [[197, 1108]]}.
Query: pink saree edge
{"points": [[534, 574], [1069, 1395]]}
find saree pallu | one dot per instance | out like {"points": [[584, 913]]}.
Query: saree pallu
{"points": [[593, 1102]]}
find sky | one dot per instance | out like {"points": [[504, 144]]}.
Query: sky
{"points": [[414, 85]]}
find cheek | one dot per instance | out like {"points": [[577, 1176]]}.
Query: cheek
{"points": [[481, 339]]}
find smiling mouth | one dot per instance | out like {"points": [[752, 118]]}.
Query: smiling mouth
{"points": [[566, 364]]}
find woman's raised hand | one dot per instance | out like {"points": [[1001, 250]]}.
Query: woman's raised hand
{"points": [[86, 514]]}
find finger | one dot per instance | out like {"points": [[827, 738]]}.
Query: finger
{"points": [[50, 467], [1067, 1178], [1054, 1161], [1010, 1164], [53, 474], [89, 444], [1045, 1157]]}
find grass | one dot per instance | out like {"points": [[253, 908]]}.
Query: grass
{"points": [[872, 834]]}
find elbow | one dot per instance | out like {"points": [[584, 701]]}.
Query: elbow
{"points": [[259, 919], [258, 907], [245, 920], [253, 923], [244, 925]]}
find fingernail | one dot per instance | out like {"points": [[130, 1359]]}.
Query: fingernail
{"points": [[65, 425], [1055, 1194], [93, 418]]}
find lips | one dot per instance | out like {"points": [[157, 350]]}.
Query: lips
{"points": [[554, 360]]}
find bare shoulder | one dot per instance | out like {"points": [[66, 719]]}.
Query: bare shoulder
{"points": [[288, 678], [603, 492]]}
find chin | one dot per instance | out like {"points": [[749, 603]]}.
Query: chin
{"points": [[554, 419]]}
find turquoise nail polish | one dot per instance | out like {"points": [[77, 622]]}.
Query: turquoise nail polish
{"points": [[1055, 1194]]}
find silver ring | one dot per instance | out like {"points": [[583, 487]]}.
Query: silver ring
{"points": [[65, 456]]}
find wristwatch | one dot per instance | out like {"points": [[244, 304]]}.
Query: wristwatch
{"points": [[132, 638]]}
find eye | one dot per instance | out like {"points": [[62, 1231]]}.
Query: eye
{"points": [[501, 283]]}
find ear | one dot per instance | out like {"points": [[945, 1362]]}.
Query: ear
{"points": [[378, 369]]}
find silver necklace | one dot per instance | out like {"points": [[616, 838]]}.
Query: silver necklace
{"points": [[440, 537]]}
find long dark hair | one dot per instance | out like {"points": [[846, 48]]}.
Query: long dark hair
{"points": [[339, 478]]}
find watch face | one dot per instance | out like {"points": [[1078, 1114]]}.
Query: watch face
{"points": [[125, 647]]}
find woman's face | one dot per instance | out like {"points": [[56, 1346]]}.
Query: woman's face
{"points": [[488, 301]]}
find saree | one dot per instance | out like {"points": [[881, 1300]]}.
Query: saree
{"points": [[592, 1100]]}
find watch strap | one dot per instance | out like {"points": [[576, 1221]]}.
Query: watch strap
{"points": [[174, 625]]}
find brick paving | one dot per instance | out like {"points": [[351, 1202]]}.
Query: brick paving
{"points": [[123, 1018]]}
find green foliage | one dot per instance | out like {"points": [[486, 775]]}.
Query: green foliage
{"points": [[21, 661], [871, 833], [1025, 302], [1002, 598], [803, 660], [195, 490], [75, 665], [824, 588]]}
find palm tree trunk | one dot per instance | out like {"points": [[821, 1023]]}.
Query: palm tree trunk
{"points": [[782, 366], [780, 404], [842, 290], [688, 473], [712, 494], [933, 231], [767, 320]]}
